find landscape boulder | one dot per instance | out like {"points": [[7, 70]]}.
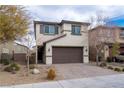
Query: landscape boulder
{"points": [[35, 71]]}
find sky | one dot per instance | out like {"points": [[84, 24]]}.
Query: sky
{"points": [[119, 21], [75, 12]]}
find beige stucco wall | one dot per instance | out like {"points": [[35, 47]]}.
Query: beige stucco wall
{"points": [[33, 50], [40, 38], [11, 46], [69, 41], [106, 52], [115, 37], [102, 34], [20, 49], [68, 27], [118, 38]]}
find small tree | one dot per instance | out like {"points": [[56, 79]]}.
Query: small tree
{"points": [[14, 22], [102, 35], [115, 49], [28, 41]]}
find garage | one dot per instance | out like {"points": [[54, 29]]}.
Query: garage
{"points": [[20, 57], [67, 55]]}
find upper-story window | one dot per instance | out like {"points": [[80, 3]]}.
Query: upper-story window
{"points": [[76, 30], [49, 29], [122, 33]]}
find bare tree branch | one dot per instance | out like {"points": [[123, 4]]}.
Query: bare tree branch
{"points": [[101, 34]]}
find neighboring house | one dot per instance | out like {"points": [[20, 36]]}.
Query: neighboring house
{"points": [[119, 37], [17, 51], [64, 42], [33, 50], [114, 34]]}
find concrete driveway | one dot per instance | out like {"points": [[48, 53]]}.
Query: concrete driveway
{"points": [[108, 81], [80, 70]]}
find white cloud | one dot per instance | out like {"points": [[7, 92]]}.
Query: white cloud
{"points": [[79, 13]]}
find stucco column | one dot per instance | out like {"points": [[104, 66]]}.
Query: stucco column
{"points": [[48, 54], [86, 54]]}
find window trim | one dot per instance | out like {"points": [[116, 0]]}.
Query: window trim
{"points": [[75, 26], [55, 26]]}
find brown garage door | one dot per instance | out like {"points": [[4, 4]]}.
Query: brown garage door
{"points": [[67, 55], [20, 57]]}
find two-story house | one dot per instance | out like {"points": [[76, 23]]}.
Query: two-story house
{"points": [[119, 37], [62, 42], [115, 34]]}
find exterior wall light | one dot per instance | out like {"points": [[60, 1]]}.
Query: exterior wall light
{"points": [[86, 49], [49, 50], [102, 51]]}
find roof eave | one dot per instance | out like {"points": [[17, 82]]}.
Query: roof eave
{"points": [[54, 39]]}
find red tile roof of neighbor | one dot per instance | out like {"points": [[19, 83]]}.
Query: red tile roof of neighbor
{"points": [[107, 27]]}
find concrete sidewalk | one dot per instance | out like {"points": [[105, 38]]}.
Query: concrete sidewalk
{"points": [[109, 81]]}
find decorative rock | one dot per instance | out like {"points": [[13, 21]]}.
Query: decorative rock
{"points": [[35, 71]]}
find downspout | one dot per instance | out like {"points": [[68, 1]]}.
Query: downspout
{"points": [[36, 54], [97, 57]]}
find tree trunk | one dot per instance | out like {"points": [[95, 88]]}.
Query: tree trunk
{"points": [[113, 59], [97, 59], [28, 63], [36, 56]]}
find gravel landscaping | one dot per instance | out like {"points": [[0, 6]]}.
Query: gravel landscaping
{"points": [[64, 71], [7, 78], [116, 64]]}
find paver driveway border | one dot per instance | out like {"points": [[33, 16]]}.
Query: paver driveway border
{"points": [[108, 81]]}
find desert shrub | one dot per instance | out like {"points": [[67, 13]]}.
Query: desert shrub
{"points": [[51, 74], [32, 59], [123, 69], [8, 69], [103, 65], [32, 66], [110, 67], [12, 67], [117, 69], [109, 59], [16, 66]]}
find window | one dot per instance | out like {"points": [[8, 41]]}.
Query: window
{"points": [[122, 33], [76, 30], [50, 29]]}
